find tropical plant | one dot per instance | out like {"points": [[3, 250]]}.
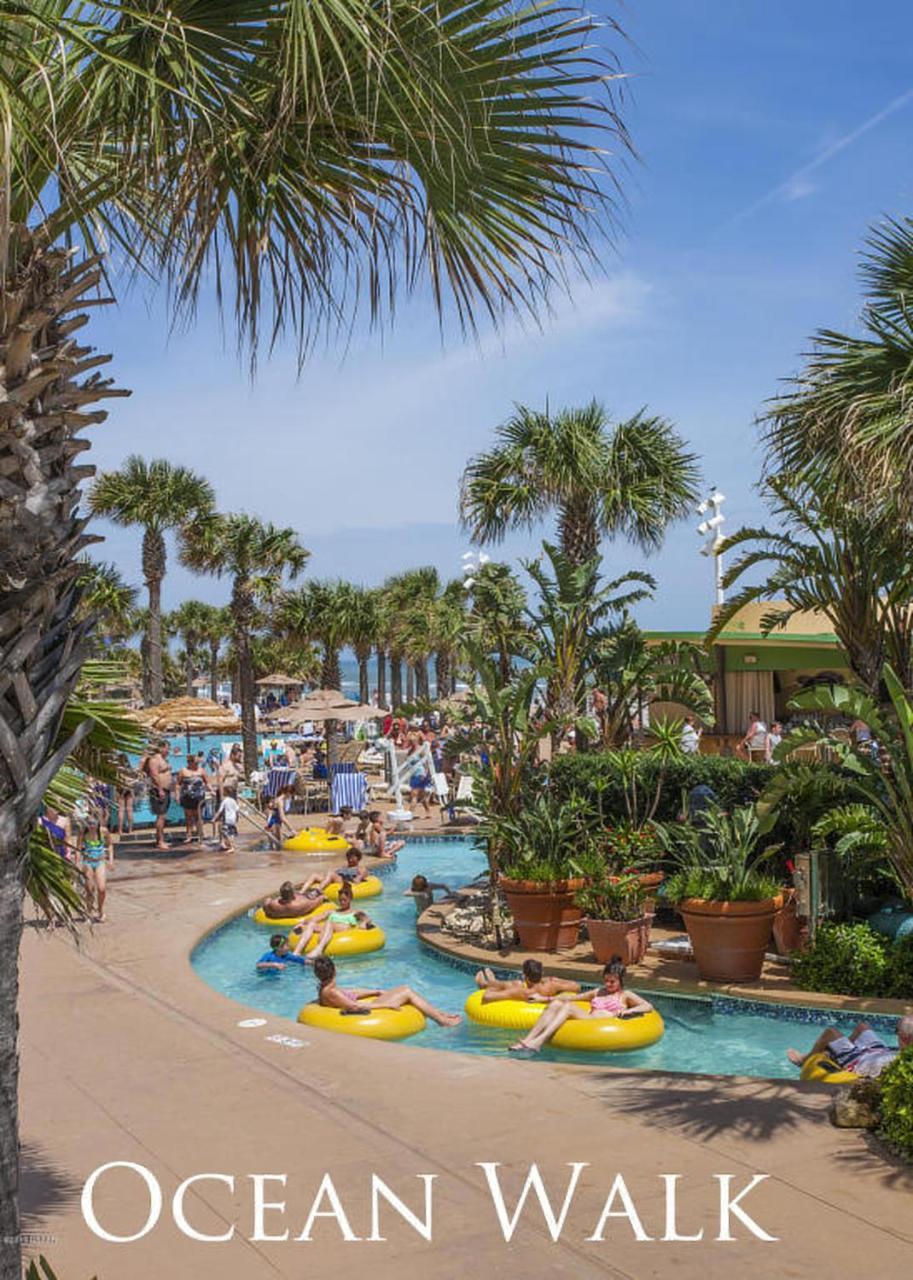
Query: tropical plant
{"points": [[896, 1110], [631, 673], [852, 960], [303, 160], [157, 496], [363, 633], [544, 840], [187, 622], [214, 628], [609, 897], [846, 420], [257, 557], [720, 861], [641, 803], [850, 561], [632, 478], [883, 783], [497, 616], [107, 600], [564, 628]]}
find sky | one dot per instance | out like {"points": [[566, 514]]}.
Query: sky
{"points": [[770, 135]]}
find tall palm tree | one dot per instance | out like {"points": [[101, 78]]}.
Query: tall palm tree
{"points": [[849, 561], [308, 160], [156, 496], [215, 626], [847, 418], [448, 636], [108, 600], [632, 478], [257, 557], [188, 622], [324, 612], [363, 633]]}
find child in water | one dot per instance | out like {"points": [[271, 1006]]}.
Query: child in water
{"points": [[608, 1001], [422, 891]]}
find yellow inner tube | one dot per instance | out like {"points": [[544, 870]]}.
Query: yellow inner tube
{"points": [[286, 922], [593, 1034], [370, 887], [345, 942], [820, 1067], [315, 840], [379, 1024]]}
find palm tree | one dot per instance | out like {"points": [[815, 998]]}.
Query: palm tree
{"points": [[448, 636], [214, 627], [497, 618], [307, 160], [107, 600], [324, 612], [632, 478], [157, 496], [256, 556], [188, 622], [363, 632], [849, 561], [847, 419]]}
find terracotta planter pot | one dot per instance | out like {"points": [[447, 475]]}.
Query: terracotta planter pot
{"points": [[787, 930], [729, 938], [626, 938], [650, 882], [545, 916]]}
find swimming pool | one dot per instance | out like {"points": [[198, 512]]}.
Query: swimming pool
{"points": [[721, 1035]]}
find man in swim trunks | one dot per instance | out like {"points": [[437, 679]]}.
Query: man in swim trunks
{"points": [[533, 985], [354, 872], [279, 955], [160, 787], [862, 1051], [292, 902]]}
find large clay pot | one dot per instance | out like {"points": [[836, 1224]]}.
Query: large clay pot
{"points": [[787, 930], [545, 916], [626, 938], [729, 939]]}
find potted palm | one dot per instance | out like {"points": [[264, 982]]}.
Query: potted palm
{"points": [[615, 917], [726, 900], [542, 870]]}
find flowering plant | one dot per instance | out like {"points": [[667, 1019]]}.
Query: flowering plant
{"points": [[630, 848]]}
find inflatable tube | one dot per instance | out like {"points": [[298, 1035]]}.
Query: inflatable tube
{"points": [[819, 1067], [593, 1035], [315, 840], [346, 942], [379, 1024], [370, 887], [286, 922]]}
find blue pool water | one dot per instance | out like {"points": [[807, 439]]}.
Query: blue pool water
{"points": [[719, 1036]]}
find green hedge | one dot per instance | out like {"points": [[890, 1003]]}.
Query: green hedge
{"points": [[735, 782], [896, 1103], [853, 960]]}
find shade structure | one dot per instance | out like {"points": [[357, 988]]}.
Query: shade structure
{"points": [[193, 715], [327, 705], [278, 680]]}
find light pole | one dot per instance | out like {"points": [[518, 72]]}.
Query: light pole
{"points": [[711, 528]]}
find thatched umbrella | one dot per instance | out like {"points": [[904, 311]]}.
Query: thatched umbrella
{"points": [[280, 681], [193, 715]]}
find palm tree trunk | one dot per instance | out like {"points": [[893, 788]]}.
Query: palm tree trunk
{"points": [[45, 402], [214, 670], [422, 689], [242, 610], [410, 683], [188, 673], [153, 572], [364, 693], [381, 676], [396, 682], [578, 532], [442, 674]]}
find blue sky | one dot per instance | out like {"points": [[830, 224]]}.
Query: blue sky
{"points": [[770, 133]]}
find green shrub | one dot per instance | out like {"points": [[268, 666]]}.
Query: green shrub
{"points": [[847, 959], [897, 1103], [900, 962]]}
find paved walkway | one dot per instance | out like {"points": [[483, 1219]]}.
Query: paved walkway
{"points": [[126, 1055]]}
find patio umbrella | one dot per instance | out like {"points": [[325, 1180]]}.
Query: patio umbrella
{"points": [[193, 715], [280, 681]]}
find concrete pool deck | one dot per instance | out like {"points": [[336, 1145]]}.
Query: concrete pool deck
{"points": [[127, 1055]]}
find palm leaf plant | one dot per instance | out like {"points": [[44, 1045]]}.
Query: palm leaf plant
{"points": [[307, 162], [849, 561], [883, 781], [497, 615], [632, 478]]}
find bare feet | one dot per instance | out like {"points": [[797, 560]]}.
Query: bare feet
{"points": [[522, 1047], [450, 1020], [795, 1057]]}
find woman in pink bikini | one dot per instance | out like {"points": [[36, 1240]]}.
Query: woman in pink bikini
{"points": [[608, 1001]]}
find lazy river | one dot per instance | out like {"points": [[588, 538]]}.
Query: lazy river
{"points": [[718, 1035]]}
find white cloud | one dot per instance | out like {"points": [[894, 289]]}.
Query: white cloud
{"points": [[798, 188]]}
